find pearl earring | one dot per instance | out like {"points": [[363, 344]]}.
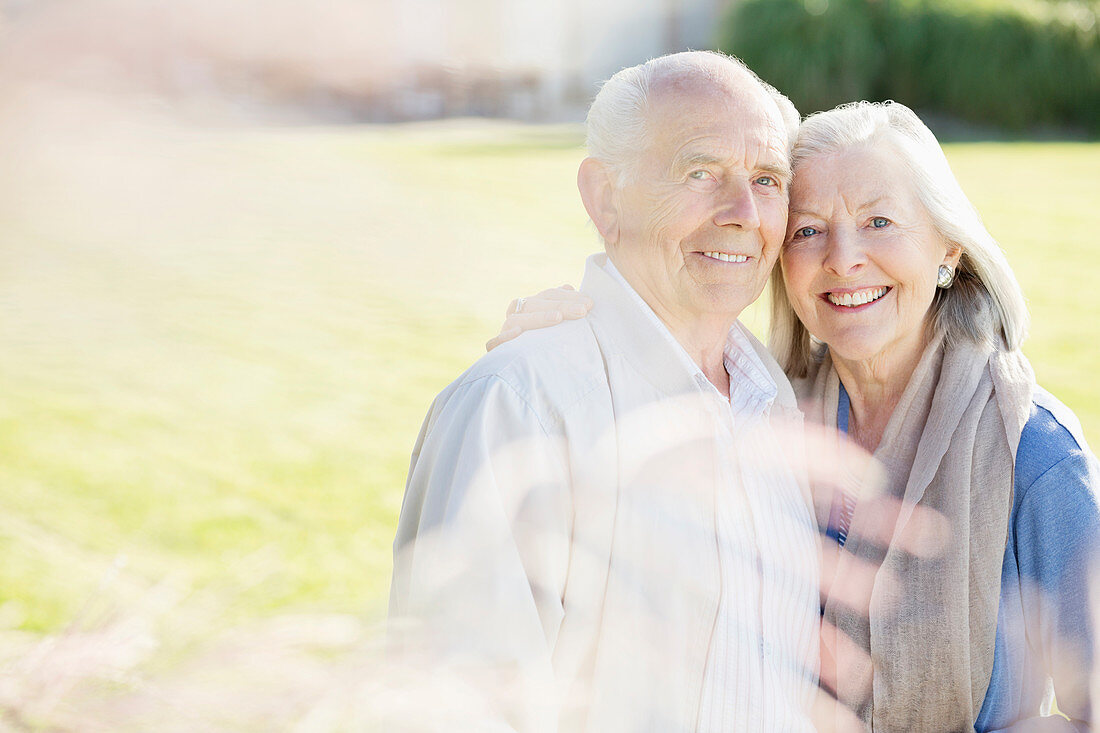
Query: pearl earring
{"points": [[944, 277]]}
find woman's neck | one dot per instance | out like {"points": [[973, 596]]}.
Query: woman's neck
{"points": [[874, 388]]}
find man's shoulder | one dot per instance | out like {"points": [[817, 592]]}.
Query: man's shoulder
{"points": [[568, 342], [549, 369]]}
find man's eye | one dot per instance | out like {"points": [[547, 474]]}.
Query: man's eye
{"points": [[767, 181], [699, 175], [805, 232], [879, 222]]}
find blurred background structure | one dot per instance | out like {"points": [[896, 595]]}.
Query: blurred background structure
{"points": [[367, 60], [997, 63], [233, 277]]}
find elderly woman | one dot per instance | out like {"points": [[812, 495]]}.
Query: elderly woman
{"points": [[899, 322]]}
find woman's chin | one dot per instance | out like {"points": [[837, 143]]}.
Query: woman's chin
{"points": [[852, 344], [876, 351], [855, 348]]}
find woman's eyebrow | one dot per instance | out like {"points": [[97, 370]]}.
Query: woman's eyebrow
{"points": [[866, 205], [873, 202]]}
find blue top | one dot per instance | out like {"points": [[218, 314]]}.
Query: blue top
{"points": [[1043, 628]]}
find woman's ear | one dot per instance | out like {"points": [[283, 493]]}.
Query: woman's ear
{"points": [[954, 254], [596, 184]]}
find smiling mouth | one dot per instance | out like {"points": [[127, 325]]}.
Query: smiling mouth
{"points": [[856, 298], [723, 257]]}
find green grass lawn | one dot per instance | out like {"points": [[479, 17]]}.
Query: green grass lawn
{"points": [[217, 345]]}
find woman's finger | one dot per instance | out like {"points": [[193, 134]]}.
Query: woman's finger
{"points": [[571, 306], [829, 715], [506, 334], [517, 323], [925, 532], [536, 305], [532, 320], [539, 311], [854, 588], [567, 294], [843, 659]]}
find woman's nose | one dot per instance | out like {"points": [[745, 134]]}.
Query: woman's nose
{"points": [[844, 256]]}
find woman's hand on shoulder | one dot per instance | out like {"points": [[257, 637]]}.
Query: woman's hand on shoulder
{"points": [[539, 311]]}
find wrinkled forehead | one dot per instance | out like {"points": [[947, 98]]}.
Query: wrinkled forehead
{"points": [[734, 114], [870, 171], [875, 161]]}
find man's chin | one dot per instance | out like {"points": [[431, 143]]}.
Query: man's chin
{"points": [[729, 297], [725, 310]]}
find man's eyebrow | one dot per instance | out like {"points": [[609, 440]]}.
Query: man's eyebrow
{"points": [[698, 160], [694, 160], [780, 170]]}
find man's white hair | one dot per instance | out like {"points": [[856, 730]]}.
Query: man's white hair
{"points": [[616, 123], [985, 302]]}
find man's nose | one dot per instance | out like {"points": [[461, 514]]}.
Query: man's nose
{"points": [[737, 206], [844, 256]]}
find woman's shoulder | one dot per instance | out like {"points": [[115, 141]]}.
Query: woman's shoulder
{"points": [[1052, 455], [1056, 505]]}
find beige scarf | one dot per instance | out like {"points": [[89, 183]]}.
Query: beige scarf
{"points": [[950, 446]]}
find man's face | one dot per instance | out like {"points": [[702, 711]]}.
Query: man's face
{"points": [[702, 221]]}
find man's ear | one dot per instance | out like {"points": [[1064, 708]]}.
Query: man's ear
{"points": [[596, 184]]}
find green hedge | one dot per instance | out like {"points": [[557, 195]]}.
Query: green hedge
{"points": [[1016, 67]]}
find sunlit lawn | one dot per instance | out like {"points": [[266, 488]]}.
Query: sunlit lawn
{"points": [[220, 342]]}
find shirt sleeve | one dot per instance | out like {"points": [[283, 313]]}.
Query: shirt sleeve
{"points": [[482, 550], [1057, 538]]}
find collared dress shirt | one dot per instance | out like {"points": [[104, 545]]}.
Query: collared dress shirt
{"points": [[594, 538], [762, 640]]}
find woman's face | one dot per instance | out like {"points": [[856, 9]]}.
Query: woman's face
{"points": [[861, 255]]}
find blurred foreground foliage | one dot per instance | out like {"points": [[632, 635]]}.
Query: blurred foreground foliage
{"points": [[1016, 65]]}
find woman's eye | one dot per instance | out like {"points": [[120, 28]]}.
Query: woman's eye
{"points": [[879, 222], [805, 232]]}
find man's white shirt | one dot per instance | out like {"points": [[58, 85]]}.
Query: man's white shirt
{"points": [[591, 524], [760, 639]]}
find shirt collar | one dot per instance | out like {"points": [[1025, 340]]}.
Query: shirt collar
{"points": [[751, 385]]}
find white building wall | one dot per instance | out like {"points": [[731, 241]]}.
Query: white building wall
{"points": [[567, 47]]}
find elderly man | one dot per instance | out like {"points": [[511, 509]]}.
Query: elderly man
{"points": [[597, 530]]}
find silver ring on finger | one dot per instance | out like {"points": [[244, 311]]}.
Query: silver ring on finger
{"points": [[519, 305]]}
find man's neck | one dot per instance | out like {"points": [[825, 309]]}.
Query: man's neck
{"points": [[705, 343], [704, 337], [719, 377]]}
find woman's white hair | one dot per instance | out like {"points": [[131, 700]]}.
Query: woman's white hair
{"points": [[616, 124], [985, 302]]}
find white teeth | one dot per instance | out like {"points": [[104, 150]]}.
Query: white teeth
{"points": [[860, 297], [725, 257]]}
